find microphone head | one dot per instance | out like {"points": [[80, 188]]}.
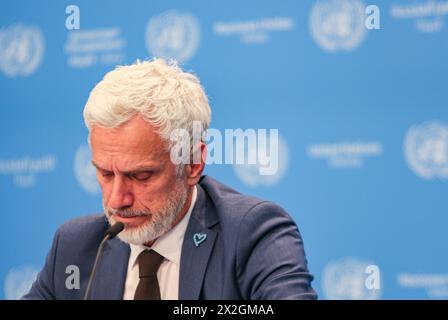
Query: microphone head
{"points": [[115, 229]]}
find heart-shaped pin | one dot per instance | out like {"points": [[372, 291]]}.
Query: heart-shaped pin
{"points": [[198, 238]]}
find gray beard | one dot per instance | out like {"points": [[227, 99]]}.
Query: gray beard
{"points": [[159, 222]]}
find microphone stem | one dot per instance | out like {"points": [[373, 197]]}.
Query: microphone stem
{"points": [[97, 258]]}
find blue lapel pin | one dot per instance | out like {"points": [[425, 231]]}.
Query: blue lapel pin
{"points": [[198, 238]]}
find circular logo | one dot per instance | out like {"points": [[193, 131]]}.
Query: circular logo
{"points": [[345, 279], [269, 168], [18, 281], [21, 50], [84, 170], [338, 25], [173, 35], [426, 149]]}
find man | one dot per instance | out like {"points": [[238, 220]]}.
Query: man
{"points": [[186, 236]]}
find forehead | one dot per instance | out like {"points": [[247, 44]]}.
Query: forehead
{"points": [[135, 139]]}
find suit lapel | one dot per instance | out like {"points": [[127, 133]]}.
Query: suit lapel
{"points": [[111, 271], [195, 256]]}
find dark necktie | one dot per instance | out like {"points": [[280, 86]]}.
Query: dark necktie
{"points": [[148, 287]]}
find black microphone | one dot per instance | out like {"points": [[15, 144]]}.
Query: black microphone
{"points": [[110, 233], [114, 230]]}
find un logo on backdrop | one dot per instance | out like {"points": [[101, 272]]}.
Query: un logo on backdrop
{"points": [[18, 281], [85, 172], [348, 279], [173, 35], [426, 149], [338, 25], [21, 50], [250, 174]]}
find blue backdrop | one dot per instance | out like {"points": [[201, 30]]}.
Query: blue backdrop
{"points": [[360, 101]]}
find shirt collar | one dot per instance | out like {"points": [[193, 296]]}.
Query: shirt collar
{"points": [[168, 245]]}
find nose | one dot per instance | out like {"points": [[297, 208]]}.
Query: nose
{"points": [[121, 196]]}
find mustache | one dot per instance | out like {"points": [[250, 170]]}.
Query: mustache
{"points": [[127, 213]]}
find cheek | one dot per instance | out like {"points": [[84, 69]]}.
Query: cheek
{"points": [[148, 197], [154, 196]]}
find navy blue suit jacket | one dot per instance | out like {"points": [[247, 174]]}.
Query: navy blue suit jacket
{"points": [[253, 250]]}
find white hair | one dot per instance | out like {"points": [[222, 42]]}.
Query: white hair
{"points": [[159, 91]]}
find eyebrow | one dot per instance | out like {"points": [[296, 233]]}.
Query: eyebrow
{"points": [[136, 170]]}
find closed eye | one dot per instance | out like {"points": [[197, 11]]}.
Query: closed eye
{"points": [[107, 173], [142, 176]]}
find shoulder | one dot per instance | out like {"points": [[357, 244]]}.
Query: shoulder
{"points": [[234, 208], [86, 229]]}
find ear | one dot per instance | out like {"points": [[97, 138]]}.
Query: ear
{"points": [[197, 163]]}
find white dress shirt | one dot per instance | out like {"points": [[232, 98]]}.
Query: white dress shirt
{"points": [[170, 247]]}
